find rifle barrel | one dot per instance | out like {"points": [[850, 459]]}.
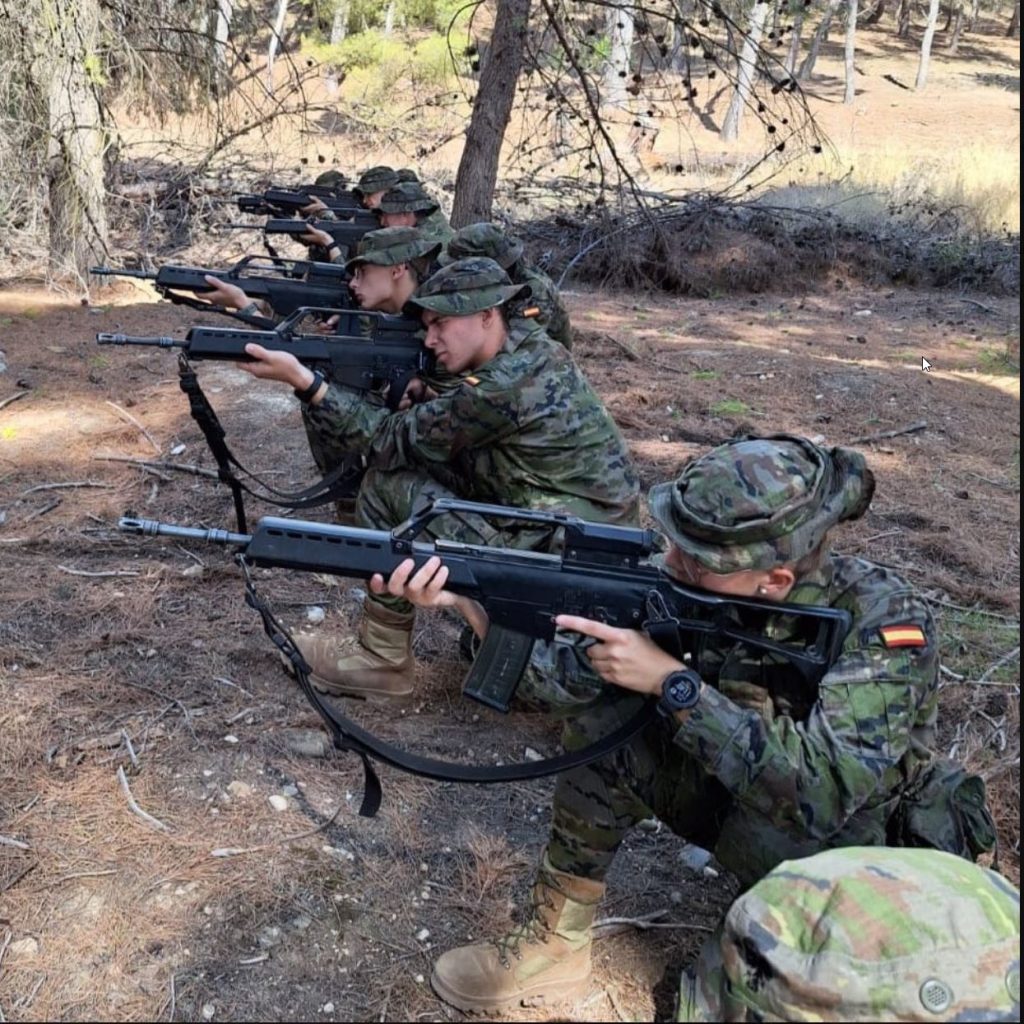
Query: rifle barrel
{"points": [[135, 339], [154, 528], [146, 275]]}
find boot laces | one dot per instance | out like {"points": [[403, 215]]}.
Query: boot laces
{"points": [[531, 931]]}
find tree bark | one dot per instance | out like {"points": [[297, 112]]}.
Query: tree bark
{"points": [[972, 19], [275, 40], [67, 73], [745, 71], [339, 29], [877, 13], [850, 52], [221, 34], [620, 30], [1013, 29], [904, 18], [926, 45], [958, 27], [389, 18], [807, 67], [492, 107], [794, 40]]}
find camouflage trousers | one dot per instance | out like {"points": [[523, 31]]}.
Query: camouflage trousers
{"points": [[596, 805], [559, 680]]}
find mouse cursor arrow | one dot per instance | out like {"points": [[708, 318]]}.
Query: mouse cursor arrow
{"points": [[925, 365]]}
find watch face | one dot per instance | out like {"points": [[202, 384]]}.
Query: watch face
{"points": [[681, 690]]}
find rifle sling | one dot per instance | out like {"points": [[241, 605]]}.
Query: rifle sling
{"points": [[348, 736], [336, 484]]}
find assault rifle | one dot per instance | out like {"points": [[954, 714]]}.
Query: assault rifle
{"points": [[368, 351], [346, 233], [287, 285], [288, 202], [603, 573]]}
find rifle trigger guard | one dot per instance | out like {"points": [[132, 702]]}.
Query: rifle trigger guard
{"points": [[661, 625]]}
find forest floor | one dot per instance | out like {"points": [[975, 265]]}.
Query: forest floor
{"points": [[120, 653]]}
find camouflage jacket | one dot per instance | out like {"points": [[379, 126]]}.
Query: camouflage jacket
{"points": [[810, 761], [553, 316], [524, 430]]}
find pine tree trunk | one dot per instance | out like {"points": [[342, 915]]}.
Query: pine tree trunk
{"points": [[807, 67], [389, 18], [972, 20], [616, 72], [492, 107], [877, 13], [1013, 29], [339, 29], [926, 45], [745, 71], [795, 39], [904, 19], [275, 41], [66, 73], [958, 27], [221, 35], [850, 52]]}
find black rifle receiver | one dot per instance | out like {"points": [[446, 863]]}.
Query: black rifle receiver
{"points": [[292, 201]]}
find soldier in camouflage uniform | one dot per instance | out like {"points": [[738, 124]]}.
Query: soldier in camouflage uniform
{"points": [[543, 304], [863, 935], [521, 426], [408, 205], [761, 767]]}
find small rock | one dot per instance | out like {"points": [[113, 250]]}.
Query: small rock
{"points": [[315, 615], [231, 738], [675, 896], [710, 872], [649, 825], [963, 494], [310, 743], [208, 1011], [694, 857], [424, 867], [422, 935], [278, 802], [665, 438], [532, 755], [419, 979], [240, 789], [269, 936], [177, 449], [302, 922], [861, 339], [23, 947], [328, 1007], [193, 571], [290, 790], [862, 312]]}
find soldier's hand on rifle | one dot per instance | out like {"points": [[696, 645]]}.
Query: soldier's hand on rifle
{"points": [[416, 391], [223, 294], [316, 206], [625, 657], [314, 236], [425, 589], [276, 365], [327, 326]]}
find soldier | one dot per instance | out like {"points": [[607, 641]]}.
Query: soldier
{"points": [[863, 935], [747, 760], [489, 240], [408, 205], [520, 425]]}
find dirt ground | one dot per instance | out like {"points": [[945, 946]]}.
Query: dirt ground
{"points": [[118, 653]]}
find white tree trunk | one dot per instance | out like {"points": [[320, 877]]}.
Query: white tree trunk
{"points": [[850, 52], [275, 41], [807, 67], [389, 18], [745, 71], [221, 34], [926, 45], [616, 73], [339, 29], [794, 40]]}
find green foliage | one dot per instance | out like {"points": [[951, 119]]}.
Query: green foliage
{"points": [[705, 374], [730, 407]]}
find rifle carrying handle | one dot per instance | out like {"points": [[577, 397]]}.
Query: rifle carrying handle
{"points": [[498, 667]]}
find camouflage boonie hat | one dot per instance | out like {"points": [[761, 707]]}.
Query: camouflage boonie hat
{"points": [[330, 179], [407, 197], [406, 174], [757, 503], [376, 179], [864, 934], [388, 247], [483, 240], [465, 287]]}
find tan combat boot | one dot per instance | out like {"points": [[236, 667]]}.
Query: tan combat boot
{"points": [[376, 665], [544, 960]]}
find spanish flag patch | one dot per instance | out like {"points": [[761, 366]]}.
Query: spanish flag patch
{"points": [[530, 313], [472, 381], [903, 636]]}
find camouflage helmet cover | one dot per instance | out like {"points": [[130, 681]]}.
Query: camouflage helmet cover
{"points": [[864, 934], [756, 503], [407, 197], [330, 179], [483, 239], [388, 247], [465, 287], [376, 179]]}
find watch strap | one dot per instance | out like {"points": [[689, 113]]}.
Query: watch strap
{"points": [[306, 394]]}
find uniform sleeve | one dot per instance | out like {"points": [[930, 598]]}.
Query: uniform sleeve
{"points": [[812, 775], [430, 433]]}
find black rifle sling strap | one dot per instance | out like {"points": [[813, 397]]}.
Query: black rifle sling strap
{"points": [[339, 483], [349, 736]]}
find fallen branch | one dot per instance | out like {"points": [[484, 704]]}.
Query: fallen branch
{"points": [[16, 843], [951, 674], [7, 886], [63, 486], [237, 851], [132, 756], [914, 428], [42, 510], [97, 575], [998, 664], [135, 808], [980, 305], [631, 353], [173, 700], [124, 414], [11, 399], [151, 464]]}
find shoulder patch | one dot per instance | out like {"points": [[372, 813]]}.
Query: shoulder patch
{"points": [[907, 635], [530, 312], [472, 381]]}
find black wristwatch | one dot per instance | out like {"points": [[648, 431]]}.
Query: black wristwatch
{"points": [[306, 394], [680, 691]]}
